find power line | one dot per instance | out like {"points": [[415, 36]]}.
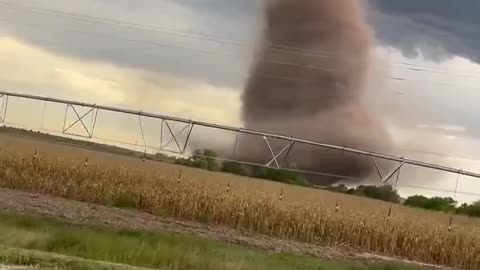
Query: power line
{"points": [[152, 43], [438, 70], [158, 44], [135, 26], [183, 35], [200, 36], [144, 27], [196, 50]]}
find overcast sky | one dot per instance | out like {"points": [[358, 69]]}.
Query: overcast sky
{"points": [[190, 58]]}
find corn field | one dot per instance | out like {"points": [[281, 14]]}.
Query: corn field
{"points": [[250, 205]]}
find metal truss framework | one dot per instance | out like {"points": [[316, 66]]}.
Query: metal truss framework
{"points": [[180, 145], [88, 125], [388, 177], [172, 141], [176, 141], [275, 156]]}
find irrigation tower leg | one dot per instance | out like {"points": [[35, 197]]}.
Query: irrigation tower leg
{"points": [[3, 108]]}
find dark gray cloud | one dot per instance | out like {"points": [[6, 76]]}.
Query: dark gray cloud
{"points": [[50, 26], [435, 29]]}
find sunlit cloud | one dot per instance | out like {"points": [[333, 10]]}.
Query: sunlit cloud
{"points": [[32, 70]]}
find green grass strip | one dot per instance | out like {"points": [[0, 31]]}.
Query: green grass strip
{"points": [[45, 261]]}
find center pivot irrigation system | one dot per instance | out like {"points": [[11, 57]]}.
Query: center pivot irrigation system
{"points": [[180, 139]]}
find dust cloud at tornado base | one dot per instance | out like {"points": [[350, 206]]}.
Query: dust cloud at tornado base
{"points": [[307, 81]]}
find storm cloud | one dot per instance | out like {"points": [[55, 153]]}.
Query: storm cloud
{"points": [[434, 29], [151, 35]]}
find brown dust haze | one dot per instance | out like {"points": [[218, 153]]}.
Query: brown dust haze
{"points": [[307, 81]]}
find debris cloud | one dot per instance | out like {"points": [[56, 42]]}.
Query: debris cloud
{"points": [[308, 81]]}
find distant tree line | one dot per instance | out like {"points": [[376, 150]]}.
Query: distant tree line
{"points": [[208, 160], [389, 194], [384, 193]]}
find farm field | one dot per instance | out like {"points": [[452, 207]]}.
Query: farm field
{"points": [[291, 213]]}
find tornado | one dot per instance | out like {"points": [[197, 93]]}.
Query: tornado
{"points": [[308, 81]]}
